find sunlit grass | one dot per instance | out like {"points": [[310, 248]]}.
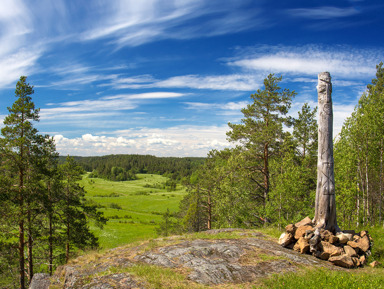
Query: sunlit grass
{"points": [[134, 208], [325, 278]]}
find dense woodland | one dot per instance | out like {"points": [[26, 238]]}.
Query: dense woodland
{"points": [[268, 177]]}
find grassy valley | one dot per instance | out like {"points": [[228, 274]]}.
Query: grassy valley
{"points": [[134, 208]]}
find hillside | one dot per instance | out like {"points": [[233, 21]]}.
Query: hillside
{"points": [[226, 258]]}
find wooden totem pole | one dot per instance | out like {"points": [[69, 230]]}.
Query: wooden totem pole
{"points": [[325, 205]]}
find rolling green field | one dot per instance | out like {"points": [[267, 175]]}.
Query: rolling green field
{"points": [[134, 208]]}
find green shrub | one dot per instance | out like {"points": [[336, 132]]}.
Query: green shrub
{"points": [[115, 206]]}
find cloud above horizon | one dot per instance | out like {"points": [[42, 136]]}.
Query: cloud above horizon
{"points": [[173, 141]]}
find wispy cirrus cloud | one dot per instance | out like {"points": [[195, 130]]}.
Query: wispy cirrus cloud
{"points": [[235, 82], [241, 82], [298, 64], [22, 62], [119, 23], [102, 106], [236, 106], [325, 12], [16, 26], [132, 23], [342, 61], [148, 95]]}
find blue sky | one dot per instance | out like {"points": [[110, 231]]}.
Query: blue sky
{"points": [[165, 77]]}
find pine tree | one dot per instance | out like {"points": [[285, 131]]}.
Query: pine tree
{"points": [[17, 145], [261, 129]]}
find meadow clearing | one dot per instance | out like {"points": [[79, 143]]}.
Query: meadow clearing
{"points": [[134, 208]]}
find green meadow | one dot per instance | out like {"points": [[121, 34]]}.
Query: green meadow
{"points": [[134, 208]]}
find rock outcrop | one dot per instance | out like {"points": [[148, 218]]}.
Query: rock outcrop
{"points": [[40, 281], [346, 249], [244, 258]]}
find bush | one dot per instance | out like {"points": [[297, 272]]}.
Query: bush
{"points": [[115, 206]]}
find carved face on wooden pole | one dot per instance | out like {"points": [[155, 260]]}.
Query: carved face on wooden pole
{"points": [[325, 206]]}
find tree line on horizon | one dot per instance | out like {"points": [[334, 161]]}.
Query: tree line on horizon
{"points": [[43, 210], [123, 167], [270, 176]]}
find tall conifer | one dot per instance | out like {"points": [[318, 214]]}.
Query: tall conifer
{"points": [[19, 138]]}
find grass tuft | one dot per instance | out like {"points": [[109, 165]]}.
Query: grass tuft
{"points": [[324, 278]]}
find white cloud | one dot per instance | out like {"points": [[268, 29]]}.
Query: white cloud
{"points": [[16, 58], [237, 106], [342, 61], [100, 107], [235, 82], [241, 82], [149, 95], [174, 141], [132, 23], [17, 64], [323, 12]]}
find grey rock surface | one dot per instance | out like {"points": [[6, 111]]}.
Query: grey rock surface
{"points": [[244, 257], [221, 261], [40, 281]]}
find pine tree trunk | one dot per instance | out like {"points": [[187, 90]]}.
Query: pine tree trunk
{"points": [[21, 252], [381, 181], [266, 174], [325, 205], [67, 245], [68, 227], [50, 242], [30, 247], [21, 230], [50, 237], [209, 207]]}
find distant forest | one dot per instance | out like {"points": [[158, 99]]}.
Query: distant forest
{"points": [[125, 167]]}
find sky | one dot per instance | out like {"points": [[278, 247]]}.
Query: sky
{"points": [[164, 77]]}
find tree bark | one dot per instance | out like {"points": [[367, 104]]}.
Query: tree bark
{"points": [[325, 205], [266, 174], [209, 209], [30, 246], [381, 180], [21, 230], [21, 251], [50, 241]]}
